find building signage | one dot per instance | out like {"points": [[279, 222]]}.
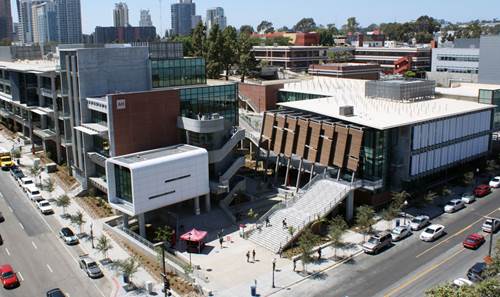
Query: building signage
{"points": [[120, 104]]}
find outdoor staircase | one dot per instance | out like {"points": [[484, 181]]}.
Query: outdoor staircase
{"points": [[315, 201]]}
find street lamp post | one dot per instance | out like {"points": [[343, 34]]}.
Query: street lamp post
{"points": [[493, 224], [274, 269], [189, 250], [166, 283], [477, 176], [404, 212], [92, 235]]}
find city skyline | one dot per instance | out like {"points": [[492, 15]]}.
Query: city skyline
{"points": [[337, 13]]}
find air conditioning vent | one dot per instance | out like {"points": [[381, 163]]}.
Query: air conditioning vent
{"points": [[347, 111]]}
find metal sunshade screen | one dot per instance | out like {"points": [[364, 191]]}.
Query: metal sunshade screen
{"points": [[290, 136], [326, 145], [314, 141], [268, 126], [354, 148], [340, 148], [280, 131], [302, 137]]}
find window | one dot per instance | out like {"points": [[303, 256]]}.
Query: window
{"points": [[178, 72], [123, 182]]}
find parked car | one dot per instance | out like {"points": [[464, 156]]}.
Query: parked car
{"points": [[377, 242], [26, 182], [55, 293], [2, 219], [490, 226], [68, 236], [432, 232], [34, 193], [17, 173], [8, 276], [482, 190], [419, 222], [475, 273], [461, 282], [468, 197], [400, 232], [90, 267], [495, 182], [473, 241], [44, 206], [454, 205]]}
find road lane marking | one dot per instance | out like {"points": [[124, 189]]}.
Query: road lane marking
{"points": [[34, 245], [454, 235], [11, 210], [422, 274], [20, 276], [49, 268], [22, 227], [7, 251]]}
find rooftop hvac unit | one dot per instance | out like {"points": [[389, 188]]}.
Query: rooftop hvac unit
{"points": [[347, 111]]}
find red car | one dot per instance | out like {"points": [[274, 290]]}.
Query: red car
{"points": [[8, 276], [474, 241], [482, 190]]}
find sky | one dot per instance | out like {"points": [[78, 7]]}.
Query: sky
{"points": [[288, 12]]}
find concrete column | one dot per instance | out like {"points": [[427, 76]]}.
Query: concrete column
{"points": [[287, 171], [299, 173], [125, 221], [197, 210], [311, 173], [208, 205], [251, 151], [276, 167], [349, 206], [142, 225]]}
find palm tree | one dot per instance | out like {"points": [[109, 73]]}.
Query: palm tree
{"points": [[63, 201], [78, 220], [127, 267], [103, 246]]}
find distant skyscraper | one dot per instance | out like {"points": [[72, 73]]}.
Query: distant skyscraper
{"points": [[216, 16], [145, 20], [44, 22], [25, 19], [5, 20], [69, 21], [120, 15], [184, 17]]}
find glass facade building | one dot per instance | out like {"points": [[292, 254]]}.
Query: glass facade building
{"points": [[374, 154], [221, 99], [123, 180], [286, 96], [178, 72], [492, 97]]}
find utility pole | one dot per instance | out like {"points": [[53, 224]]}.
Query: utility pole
{"points": [[166, 283], [494, 222]]}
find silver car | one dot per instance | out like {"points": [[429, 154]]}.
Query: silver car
{"points": [[468, 197], [400, 232], [419, 222]]}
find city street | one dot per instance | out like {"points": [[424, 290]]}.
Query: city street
{"points": [[409, 267], [39, 257]]}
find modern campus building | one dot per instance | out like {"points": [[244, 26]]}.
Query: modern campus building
{"points": [[295, 58], [5, 20], [120, 15], [216, 16], [93, 104], [127, 34], [489, 61], [389, 57], [347, 70], [296, 38], [184, 17]]}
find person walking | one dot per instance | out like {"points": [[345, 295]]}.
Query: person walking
{"points": [[284, 223], [294, 264], [267, 222], [248, 256], [253, 255], [221, 240], [319, 253]]}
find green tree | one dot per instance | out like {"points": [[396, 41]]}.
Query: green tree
{"points": [[230, 49], [103, 246], [164, 234], [246, 29], [198, 41], [127, 267], [307, 242], [410, 74], [49, 186], [468, 178], [305, 25], [78, 220], [284, 29], [63, 201], [252, 214], [265, 27], [215, 46], [35, 170], [187, 44], [430, 196], [247, 62], [365, 219], [291, 230], [352, 25], [336, 229]]}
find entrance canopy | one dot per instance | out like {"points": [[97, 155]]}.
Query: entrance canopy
{"points": [[194, 235]]}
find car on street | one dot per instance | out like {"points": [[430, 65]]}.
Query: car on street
{"points": [[475, 273], [377, 242], [462, 282], [495, 182], [16, 172], [55, 293], [473, 241], [482, 190], [34, 193], [454, 205], [490, 226], [400, 232], [26, 182], [8, 276], [68, 236], [90, 267], [45, 207], [419, 222], [468, 197], [432, 232]]}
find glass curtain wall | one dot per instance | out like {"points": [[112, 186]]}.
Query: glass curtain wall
{"points": [[285, 96], [123, 181], [374, 154], [178, 72], [492, 97]]}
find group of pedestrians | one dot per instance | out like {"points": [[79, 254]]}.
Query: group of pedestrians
{"points": [[253, 256]]}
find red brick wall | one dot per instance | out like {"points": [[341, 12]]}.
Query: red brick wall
{"points": [[145, 121], [307, 39], [263, 97]]}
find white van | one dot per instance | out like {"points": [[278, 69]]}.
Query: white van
{"points": [[34, 193]]}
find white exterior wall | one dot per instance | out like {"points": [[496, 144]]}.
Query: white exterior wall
{"points": [[458, 53]]}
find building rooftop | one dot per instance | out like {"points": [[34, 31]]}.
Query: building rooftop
{"points": [[33, 66], [162, 153], [466, 89], [290, 47]]}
